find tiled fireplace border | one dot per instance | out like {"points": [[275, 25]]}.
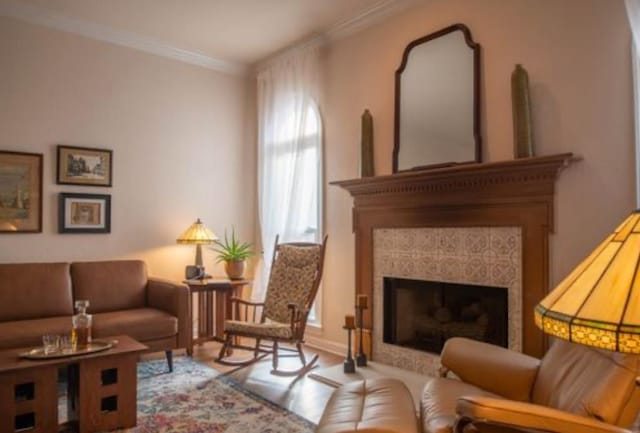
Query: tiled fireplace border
{"points": [[490, 256]]}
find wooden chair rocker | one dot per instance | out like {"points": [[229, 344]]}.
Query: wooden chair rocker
{"points": [[296, 271]]}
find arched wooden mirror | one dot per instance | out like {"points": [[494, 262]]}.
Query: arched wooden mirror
{"points": [[437, 106]]}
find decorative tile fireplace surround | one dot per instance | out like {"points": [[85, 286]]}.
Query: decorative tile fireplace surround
{"points": [[488, 256], [484, 223]]}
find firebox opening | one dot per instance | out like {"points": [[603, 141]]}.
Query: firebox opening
{"points": [[424, 314]]}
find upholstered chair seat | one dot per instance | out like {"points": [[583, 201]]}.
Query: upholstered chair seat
{"points": [[266, 330]]}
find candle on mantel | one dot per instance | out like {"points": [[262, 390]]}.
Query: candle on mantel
{"points": [[349, 321], [363, 302]]}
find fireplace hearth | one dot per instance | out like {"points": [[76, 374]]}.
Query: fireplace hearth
{"points": [[423, 315]]}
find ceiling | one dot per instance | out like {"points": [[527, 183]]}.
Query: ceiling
{"points": [[238, 31]]}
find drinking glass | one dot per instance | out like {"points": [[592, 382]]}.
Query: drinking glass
{"points": [[66, 343], [50, 343]]}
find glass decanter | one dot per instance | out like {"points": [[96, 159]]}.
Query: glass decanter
{"points": [[81, 332]]}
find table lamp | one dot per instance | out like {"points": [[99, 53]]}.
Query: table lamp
{"points": [[598, 304], [197, 234]]}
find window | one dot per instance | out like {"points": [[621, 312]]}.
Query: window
{"points": [[302, 163], [289, 155], [297, 160]]}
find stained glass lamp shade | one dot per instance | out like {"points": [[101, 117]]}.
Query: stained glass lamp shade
{"points": [[598, 304], [197, 234]]}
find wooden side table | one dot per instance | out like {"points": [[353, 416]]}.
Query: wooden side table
{"points": [[214, 305]]}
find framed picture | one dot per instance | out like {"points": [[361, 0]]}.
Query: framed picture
{"points": [[20, 192], [84, 166], [84, 213]]}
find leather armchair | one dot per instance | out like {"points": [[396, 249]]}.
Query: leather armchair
{"points": [[572, 389]]}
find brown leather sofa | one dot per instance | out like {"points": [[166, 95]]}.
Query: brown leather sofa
{"points": [[38, 298], [573, 389]]}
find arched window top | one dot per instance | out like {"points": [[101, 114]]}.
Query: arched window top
{"points": [[304, 123]]}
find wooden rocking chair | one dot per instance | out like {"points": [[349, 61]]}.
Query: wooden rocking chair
{"points": [[296, 271]]}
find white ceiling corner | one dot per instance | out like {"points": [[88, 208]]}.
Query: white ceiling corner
{"points": [[95, 26], [44, 17], [342, 29]]}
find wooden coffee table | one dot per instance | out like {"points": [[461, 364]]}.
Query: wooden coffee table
{"points": [[101, 392]]}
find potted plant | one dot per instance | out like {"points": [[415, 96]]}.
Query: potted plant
{"points": [[234, 254]]}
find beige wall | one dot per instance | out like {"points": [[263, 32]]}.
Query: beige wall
{"points": [[577, 55], [181, 136]]}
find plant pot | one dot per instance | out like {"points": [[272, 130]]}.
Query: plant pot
{"points": [[234, 269]]}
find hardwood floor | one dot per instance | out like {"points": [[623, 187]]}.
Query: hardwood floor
{"points": [[304, 396]]}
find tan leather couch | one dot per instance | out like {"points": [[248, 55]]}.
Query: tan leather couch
{"points": [[573, 389], [38, 298]]}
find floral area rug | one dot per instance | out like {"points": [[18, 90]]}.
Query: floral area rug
{"points": [[198, 399]]}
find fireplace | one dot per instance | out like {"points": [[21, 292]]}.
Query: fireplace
{"points": [[422, 315], [512, 201], [448, 260]]}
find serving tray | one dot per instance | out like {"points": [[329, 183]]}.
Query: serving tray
{"points": [[94, 346]]}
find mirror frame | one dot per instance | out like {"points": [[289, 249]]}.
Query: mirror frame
{"points": [[476, 95]]}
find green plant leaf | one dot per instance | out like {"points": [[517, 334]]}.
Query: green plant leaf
{"points": [[232, 250]]}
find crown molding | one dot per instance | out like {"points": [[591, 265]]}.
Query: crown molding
{"points": [[342, 29], [367, 18], [44, 17]]}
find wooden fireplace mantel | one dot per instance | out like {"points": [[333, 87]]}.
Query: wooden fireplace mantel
{"points": [[518, 193]]}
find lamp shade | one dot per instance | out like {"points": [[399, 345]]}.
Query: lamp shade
{"points": [[197, 234], [598, 304]]}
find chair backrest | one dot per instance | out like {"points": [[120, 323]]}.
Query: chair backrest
{"points": [[589, 382], [296, 271]]}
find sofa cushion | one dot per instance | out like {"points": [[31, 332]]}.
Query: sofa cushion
{"points": [[110, 285], [439, 400], [587, 381], [376, 405], [25, 333], [143, 324], [34, 291]]}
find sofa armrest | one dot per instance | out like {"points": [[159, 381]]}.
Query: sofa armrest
{"points": [[507, 373], [526, 417], [173, 298]]}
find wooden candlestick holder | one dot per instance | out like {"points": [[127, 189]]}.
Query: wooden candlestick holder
{"points": [[349, 365]]}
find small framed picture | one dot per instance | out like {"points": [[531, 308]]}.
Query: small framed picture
{"points": [[84, 166], [20, 192], [84, 213]]}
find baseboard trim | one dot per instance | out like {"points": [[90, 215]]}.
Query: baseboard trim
{"points": [[326, 345]]}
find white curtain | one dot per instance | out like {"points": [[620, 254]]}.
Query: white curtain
{"points": [[633, 12], [289, 154]]}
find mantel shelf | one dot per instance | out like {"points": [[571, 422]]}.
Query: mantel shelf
{"points": [[462, 177]]}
